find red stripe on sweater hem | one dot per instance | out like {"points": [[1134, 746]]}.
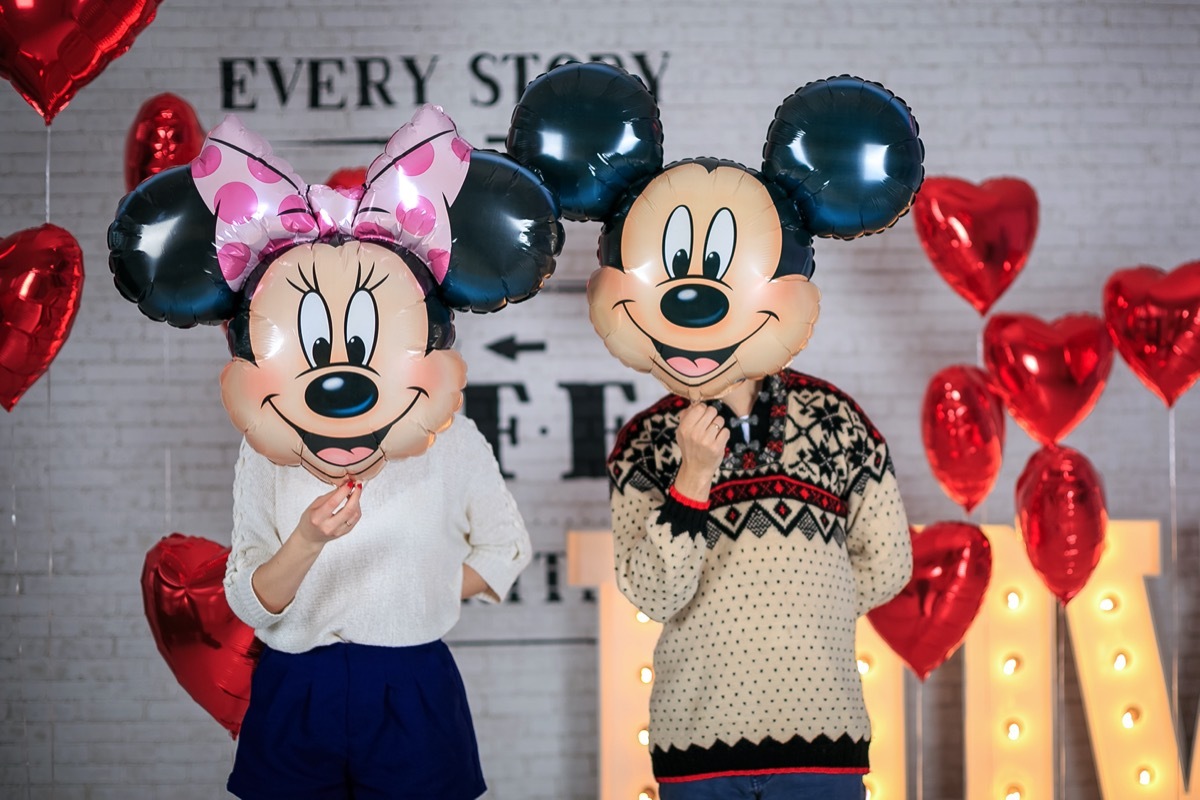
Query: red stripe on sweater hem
{"points": [[743, 773], [684, 500]]}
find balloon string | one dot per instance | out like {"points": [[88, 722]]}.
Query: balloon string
{"points": [[50, 558], [1060, 702], [1173, 587], [47, 174], [167, 450], [920, 699], [18, 592]]}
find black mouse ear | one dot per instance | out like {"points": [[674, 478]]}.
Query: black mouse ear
{"points": [[590, 131], [504, 232], [162, 256], [847, 152]]}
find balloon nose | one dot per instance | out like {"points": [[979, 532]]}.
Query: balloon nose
{"points": [[341, 395], [694, 306]]}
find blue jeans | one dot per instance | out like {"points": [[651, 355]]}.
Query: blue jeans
{"points": [[796, 786]]}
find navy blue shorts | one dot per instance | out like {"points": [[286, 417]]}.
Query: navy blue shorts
{"points": [[352, 720]]}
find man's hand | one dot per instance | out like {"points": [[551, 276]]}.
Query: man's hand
{"points": [[702, 436]]}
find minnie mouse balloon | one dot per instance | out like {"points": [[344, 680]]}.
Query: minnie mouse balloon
{"points": [[978, 237], [705, 264], [50, 49], [962, 426], [1154, 318], [41, 282], [165, 133], [339, 301]]}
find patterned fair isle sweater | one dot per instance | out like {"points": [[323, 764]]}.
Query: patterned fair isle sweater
{"points": [[759, 590]]}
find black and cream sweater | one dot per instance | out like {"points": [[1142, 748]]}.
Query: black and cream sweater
{"points": [[759, 590]]}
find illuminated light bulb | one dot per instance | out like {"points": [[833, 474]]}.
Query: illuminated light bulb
{"points": [[642, 617], [1011, 665], [644, 737], [1145, 776], [1108, 603], [1013, 598], [647, 674], [1014, 729], [1012, 793], [864, 665], [1121, 661], [1130, 717], [646, 794], [869, 789]]}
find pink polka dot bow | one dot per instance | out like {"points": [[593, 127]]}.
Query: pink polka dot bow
{"points": [[262, 205]]}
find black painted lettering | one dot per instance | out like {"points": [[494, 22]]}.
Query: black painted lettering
{"points": [[420, 79], [522, 62], [651, 76], [233, 84], [589, 427], [367, 82], [481, 402], [607, 58], [320, 83], [559, 60], [488, 81], [283, 89]]}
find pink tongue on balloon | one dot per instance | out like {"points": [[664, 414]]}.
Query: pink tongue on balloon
{"points": [[344, 458], [693, 369]]}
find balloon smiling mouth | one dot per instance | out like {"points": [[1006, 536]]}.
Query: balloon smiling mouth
{"points": [[345, 451], [698, 366]]}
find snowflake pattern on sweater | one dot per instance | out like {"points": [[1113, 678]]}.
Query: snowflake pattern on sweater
{"points": [[759, 593]]}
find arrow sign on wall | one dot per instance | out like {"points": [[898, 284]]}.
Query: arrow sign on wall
{"points": [[510, 347]]}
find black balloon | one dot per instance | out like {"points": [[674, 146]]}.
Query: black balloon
{"points": [[590, 130], [847, 151], [488, 265], [161, 253]]}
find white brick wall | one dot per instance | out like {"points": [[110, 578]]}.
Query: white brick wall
{"points": [[1096, 104]]}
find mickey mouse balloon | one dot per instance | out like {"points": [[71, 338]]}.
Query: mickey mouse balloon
{"points": [[338, 301], [705, 265]]}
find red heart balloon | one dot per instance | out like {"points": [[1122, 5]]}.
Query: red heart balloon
{"points": [[165, 133], [1154, 317], [926, 622], [348, 178], [41, 279], [50, 49], [978, 237], [962, 425], [1062, 513], [211, 651], [1049, 374]]}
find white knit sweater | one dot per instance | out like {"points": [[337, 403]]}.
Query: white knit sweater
{"points": [[396, 579]]}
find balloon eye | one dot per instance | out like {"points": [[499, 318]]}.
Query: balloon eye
{"points": [[315, 327], [718, 244], [362, 325], [677, 242]]}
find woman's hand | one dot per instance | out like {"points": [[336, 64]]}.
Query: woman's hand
{"points": [[324, 521], [702, 436]]}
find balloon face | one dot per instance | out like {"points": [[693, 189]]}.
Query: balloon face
{"points": [[698, 301], [342, 376]]}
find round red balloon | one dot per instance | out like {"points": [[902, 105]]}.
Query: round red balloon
{"points": [[1062, 513], [978, 237], [348, 178], [50, 49], [41, 281], [962, 425], [1154, 317], [165, 133], [1049, 374], [211, 652], [926, 622]]}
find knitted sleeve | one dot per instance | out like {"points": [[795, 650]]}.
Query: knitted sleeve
{"points": [[658, 534], [255, 536], [500, 547], [877, 537]]}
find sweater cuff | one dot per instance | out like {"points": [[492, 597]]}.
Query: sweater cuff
{"points": [[683, 514], [241, 595], [498, 572]]}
